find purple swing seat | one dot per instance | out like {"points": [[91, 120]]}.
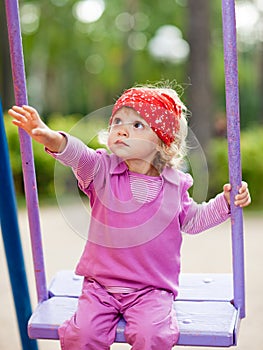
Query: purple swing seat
{"points": [[205, 312]]}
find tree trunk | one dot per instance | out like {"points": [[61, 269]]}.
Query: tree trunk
{"points": [[200, 91]]}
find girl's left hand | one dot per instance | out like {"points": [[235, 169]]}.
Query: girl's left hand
{"points": [[242, 199]]}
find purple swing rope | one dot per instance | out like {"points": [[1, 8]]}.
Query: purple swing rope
{"points": [[19, 82], [233, 136]]}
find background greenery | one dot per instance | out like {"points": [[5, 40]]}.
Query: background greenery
{"points": [[74, 67]]}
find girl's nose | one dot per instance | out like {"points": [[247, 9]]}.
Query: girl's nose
{"points": [[122, 131]]}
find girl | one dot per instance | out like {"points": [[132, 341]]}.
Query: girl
{"points": [[140, 207]]}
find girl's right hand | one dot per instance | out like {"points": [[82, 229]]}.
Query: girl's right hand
{"points": [[28, 119]]}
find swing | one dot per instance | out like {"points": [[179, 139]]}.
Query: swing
{"points": [[209, 307]]}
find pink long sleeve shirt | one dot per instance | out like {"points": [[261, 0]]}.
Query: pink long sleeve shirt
{"points": [[132, 244]]}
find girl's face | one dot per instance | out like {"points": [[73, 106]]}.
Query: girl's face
{"points": [[132, 139]]}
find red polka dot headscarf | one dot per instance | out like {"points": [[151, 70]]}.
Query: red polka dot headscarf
{"points": [[161, 111]]}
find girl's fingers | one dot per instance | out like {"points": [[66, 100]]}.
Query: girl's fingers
{"points": [[17, 109], [17, 116], [243, 188], [28, 112], [227, 187], [243, 199], [16, 122], [31, 111]]}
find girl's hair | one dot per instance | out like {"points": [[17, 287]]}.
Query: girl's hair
{"points": [[174, 154]]}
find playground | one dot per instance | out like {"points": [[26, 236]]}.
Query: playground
{"points": [[209, 252], [208, 316]]}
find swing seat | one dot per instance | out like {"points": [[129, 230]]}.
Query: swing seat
{"points": [[205, 312]]}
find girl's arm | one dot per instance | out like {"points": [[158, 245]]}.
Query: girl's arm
{"points": [[67, 149], [83, 160], [200, 217], [28, 119]]}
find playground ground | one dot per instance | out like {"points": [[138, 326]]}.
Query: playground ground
{"points": [[208, 252]]}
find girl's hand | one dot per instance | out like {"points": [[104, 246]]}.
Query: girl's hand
{"points": [[28, 119], [242, 199]]}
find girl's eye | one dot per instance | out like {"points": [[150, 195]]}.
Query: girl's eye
{"points": [[117, 121], [138, 125]]}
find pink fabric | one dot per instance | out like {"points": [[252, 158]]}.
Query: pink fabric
{"points": [[144, 189], [150, 319], [131, 244], [158, 109]]}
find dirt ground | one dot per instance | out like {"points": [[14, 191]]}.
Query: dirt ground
{"points": [[208, 252]]}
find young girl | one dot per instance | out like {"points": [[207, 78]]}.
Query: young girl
{"points": [[140, 207]]}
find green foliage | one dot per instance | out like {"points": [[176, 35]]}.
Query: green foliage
{"points": [[76, 66], [218, 165], [251, 158], [252, 145]]}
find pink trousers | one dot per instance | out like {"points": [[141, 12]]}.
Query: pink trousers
{"points": [[149, 314]]}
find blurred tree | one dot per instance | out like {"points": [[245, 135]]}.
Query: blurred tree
{"points": [[76, 63], [200, 94], [249, 15]]}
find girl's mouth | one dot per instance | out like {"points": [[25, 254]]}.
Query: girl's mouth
{"points": [[120, 142]]}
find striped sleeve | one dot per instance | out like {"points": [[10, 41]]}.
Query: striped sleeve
{"points": [[201, 217], [83, 160]]}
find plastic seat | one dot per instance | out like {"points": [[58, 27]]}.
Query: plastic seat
{"points": [[206, 315]]}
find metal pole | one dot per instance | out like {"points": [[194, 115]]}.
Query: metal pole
{"points": [[233, 135], [12, 243], [19, 81]]}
